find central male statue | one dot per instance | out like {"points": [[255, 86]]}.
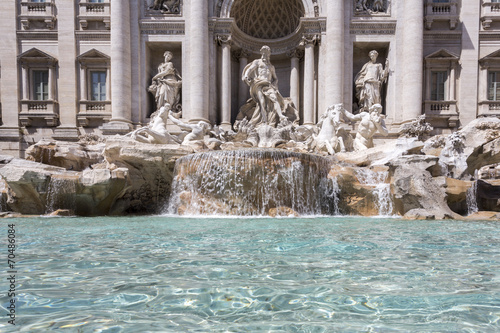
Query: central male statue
{"points": [[260, 75]]}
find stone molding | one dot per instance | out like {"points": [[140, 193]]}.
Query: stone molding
{"points": [[307, 27], [452, 35], [92, 35], [37, 35], [177, 27], [223, 8], [373, 27]]}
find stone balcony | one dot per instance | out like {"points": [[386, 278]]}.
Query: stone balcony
{"points": [[490, 12], [442, 111], [93, 113], [489, 108], [441, 11], [94, 12], [38, 14], [40, 111]]}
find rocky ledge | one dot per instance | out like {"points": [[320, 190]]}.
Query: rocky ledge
{"points": [[444, 177]]}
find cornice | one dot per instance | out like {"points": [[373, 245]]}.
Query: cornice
{"points": [[373, 27], [171, 27]]}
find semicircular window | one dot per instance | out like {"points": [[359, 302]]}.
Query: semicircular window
{"points": [[267, 19]]}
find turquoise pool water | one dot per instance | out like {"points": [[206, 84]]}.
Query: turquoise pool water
{"points": [[168, 274]]}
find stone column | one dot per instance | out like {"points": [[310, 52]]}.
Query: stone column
{"points": [[468, 92], [225, 43], [413, 50], [334, 91], [66, 91], [198, 60], [121, 70], [9, 81], [242, 56], [309, 109], [295, 56]]}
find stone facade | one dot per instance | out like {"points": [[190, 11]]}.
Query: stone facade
{"points": [[73, 67]]}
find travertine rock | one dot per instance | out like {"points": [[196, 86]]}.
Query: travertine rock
{"points": [[68, 155], [150, 172], [418, 190]]}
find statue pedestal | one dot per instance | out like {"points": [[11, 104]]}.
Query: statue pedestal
{"points": [[116, 127]]}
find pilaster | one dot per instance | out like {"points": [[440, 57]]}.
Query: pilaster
{"points": [[198, 60], [9, 82], [67, 129], [413, 52], [121, 70], [335, 52]]}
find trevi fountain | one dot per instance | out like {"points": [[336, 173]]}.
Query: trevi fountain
{"points": [[267, 164], [267, 226]]}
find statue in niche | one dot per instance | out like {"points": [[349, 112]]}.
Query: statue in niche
{"points": [[332, 137], [369, 123], [266, 106], [156, 132], [369, 82], [166, 84], [167, 6]]}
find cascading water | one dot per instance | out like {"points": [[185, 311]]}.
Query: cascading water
{"points": [[381, 189], [471, 199], [61, 194], [250, 182]]}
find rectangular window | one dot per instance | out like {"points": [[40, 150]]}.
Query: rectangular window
{"points": [[435, 1], [438, 85], [98, 85], [493, 86], [37, 0], [96, 1], [41, 85]]}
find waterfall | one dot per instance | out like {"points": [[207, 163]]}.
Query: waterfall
{"points": [[381, 189], [471, 198], [61, 194], [331, 189], [249, 182]]}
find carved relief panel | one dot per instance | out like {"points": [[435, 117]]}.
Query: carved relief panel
{"points": [[370, 7], [161, 7]]}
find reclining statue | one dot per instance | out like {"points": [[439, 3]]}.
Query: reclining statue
{"points": [[369, 124]]}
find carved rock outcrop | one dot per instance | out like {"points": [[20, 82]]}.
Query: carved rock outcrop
{"points": [[150, 172], [418, 190], [74, 156]]}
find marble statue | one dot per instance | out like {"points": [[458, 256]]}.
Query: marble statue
{"points": [[260, 75], [166, 84], [369, 123], [192, 132], [156, 132], [331, 136], [369, 82]]}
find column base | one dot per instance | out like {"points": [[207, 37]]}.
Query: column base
{"points": [[116, 127], [196, 120], [226, 126], [66, 134]]}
